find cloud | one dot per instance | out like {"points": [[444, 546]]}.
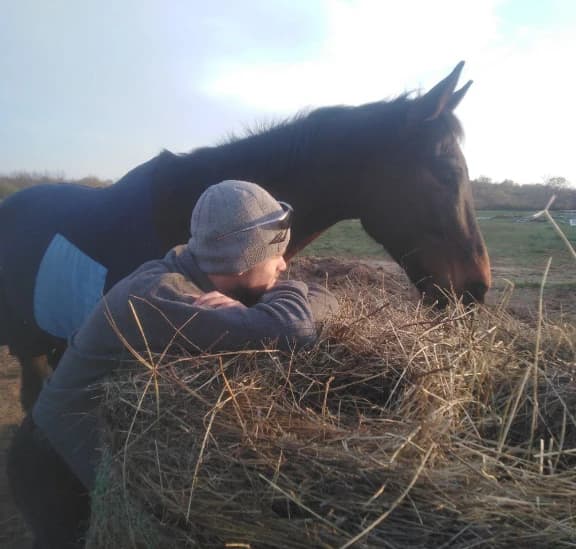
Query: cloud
{"points": [[96, 87], [518, 116], [369, 49]]}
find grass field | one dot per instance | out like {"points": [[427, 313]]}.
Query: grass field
{"points": [[523, 247]]}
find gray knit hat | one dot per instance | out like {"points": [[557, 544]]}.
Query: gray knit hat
{"points": [[224, 209]]}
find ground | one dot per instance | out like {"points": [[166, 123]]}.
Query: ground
{"points": [[13, 533], [559, 301]]}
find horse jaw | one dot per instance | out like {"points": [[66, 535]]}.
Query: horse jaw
{"points": [[440, 275]]}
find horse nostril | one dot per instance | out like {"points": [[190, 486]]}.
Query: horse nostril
{"points": [[476, 292]]}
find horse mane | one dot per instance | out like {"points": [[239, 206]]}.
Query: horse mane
{"points": [[278, 146], [379, 120]]}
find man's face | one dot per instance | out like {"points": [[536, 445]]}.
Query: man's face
{"points": [[262, 277]]}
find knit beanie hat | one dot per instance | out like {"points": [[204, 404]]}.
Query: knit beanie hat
{"points": [[222, 210]]}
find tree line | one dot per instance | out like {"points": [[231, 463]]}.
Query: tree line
{"points": [[508, 195], [488, 195], [16, 182]]}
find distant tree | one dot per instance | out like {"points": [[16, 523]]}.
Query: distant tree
{"points": [[92, 181], [21, 180], [484, 179], [556, 182], [511, 196]]}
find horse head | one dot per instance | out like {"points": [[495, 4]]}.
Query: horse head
{"points": [[413, 195]]}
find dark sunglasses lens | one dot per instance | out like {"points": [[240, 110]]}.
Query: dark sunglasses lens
{"points": [[280, 237], [286, 221], [283, 224]]}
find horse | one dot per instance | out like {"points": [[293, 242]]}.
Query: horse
{"points": [[394, 164]]}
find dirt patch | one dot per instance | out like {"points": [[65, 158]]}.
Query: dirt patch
{"points": [[13, 531], [559, 296], [338, 273], [508, 284]]}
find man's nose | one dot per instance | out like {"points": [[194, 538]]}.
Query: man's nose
{"points": [[282, 266]]}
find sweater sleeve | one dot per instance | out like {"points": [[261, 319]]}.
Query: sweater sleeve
{"points": [[322, 302], [284, 314]]}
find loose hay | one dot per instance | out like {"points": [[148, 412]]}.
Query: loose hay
{"points": [[398, 429]]}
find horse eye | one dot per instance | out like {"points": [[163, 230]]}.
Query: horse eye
{"points": [[448, 172]]}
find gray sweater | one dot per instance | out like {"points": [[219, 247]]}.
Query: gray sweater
{"points": [[145, 310]]}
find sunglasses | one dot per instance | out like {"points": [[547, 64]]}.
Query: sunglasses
{"points": [[280, 222]]}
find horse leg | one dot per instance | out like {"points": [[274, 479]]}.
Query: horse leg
{"points": [[37, 353], [35, 370]]}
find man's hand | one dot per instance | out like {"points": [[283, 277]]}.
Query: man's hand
{"points": [[216, 300]]}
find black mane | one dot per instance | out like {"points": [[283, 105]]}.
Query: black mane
{"points": [[308, 132]]}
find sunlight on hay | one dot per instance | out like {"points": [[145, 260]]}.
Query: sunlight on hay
{"points": [[398, 429]]}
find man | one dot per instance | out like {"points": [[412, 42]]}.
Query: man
{"points": [[219, 292]]}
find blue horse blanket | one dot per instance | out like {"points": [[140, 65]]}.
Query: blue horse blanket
{"points": [[63, 298], [64, 245]]}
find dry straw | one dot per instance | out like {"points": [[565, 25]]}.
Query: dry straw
{"points": [[398, 429]]}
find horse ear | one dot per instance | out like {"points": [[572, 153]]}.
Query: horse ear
{"points": [[439, 98], [458, 95]]}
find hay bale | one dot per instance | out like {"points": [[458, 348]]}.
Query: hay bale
{"points": [[398, 429]]}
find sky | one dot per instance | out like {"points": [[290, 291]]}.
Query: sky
{"points": [[96, 87]]}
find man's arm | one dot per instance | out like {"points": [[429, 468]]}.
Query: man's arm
{"points": [[286, 314], [322, 302]]}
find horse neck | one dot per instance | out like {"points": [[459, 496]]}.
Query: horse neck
{"points": [[304, 183]]}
